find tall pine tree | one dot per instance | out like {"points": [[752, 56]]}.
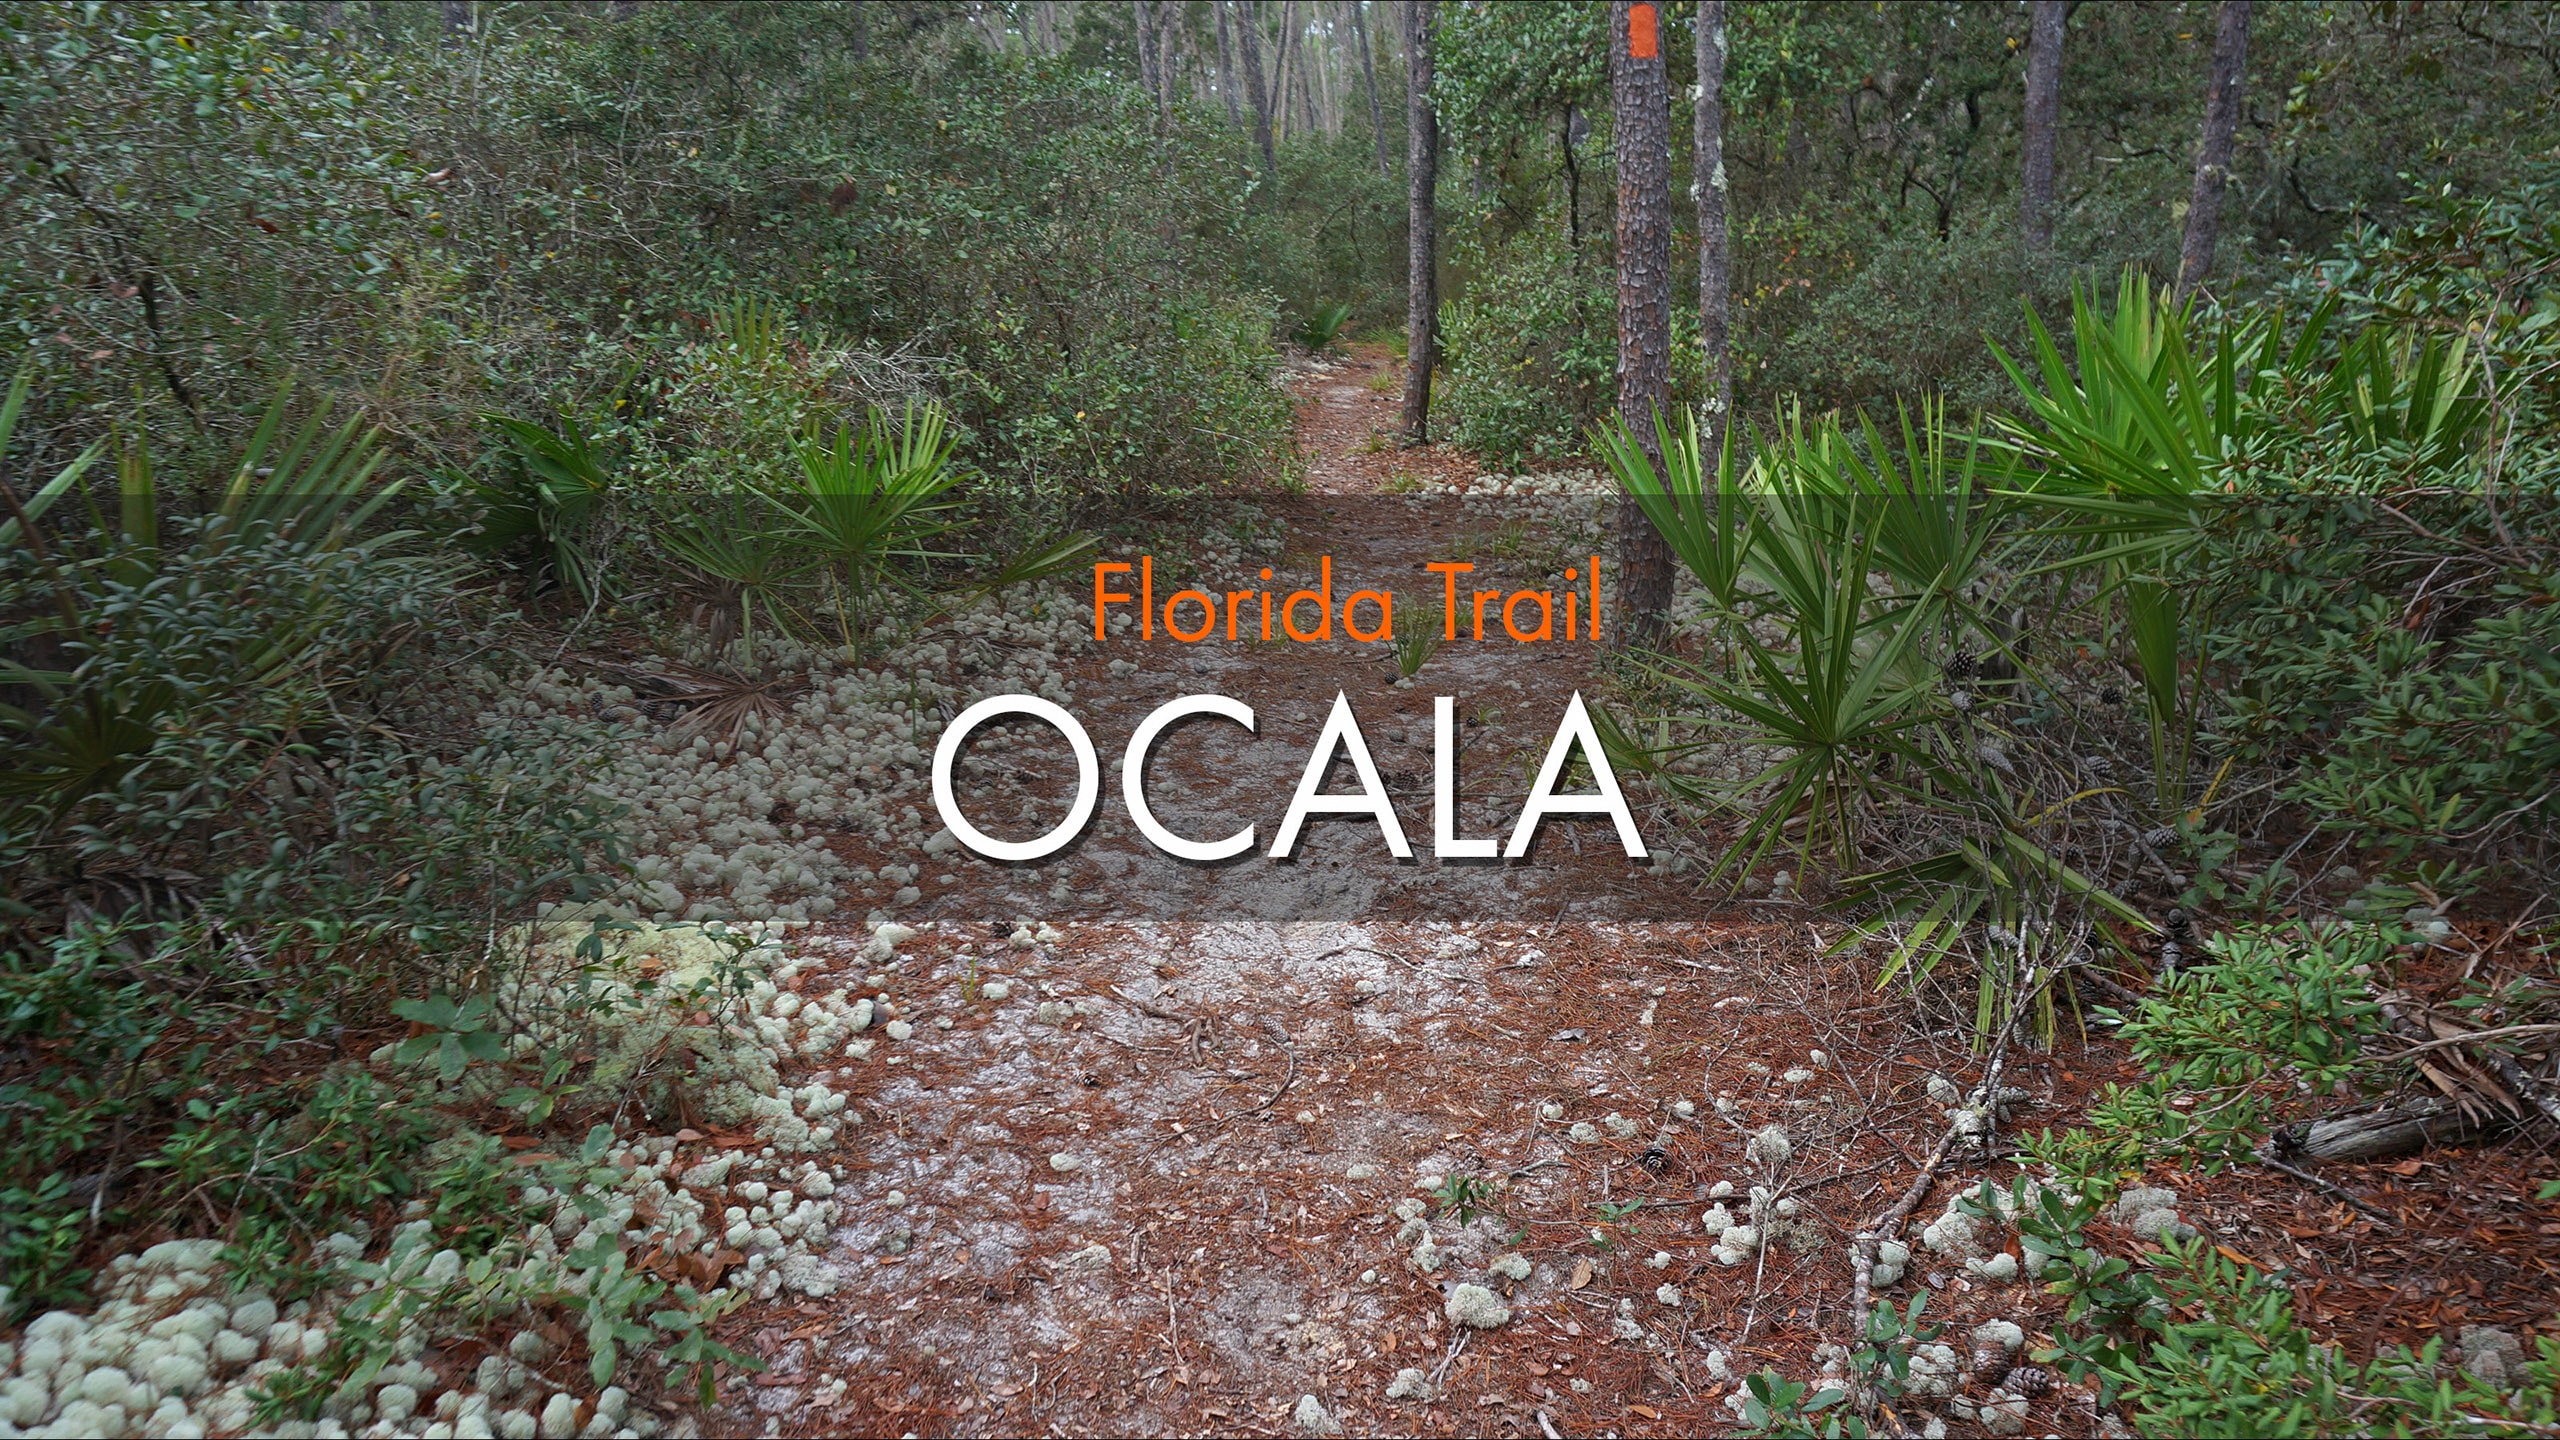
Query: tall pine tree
{"points": [[1640, 91]]}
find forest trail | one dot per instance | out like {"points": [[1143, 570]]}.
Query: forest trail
{"points": [[1350, 406], [1223, 1171]]}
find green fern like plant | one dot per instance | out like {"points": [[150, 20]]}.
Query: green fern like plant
{"points": [[1322, 326]]}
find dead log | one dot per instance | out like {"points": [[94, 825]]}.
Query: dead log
{"points": [[2381, 1133]]}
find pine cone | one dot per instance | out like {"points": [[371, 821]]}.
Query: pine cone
{"points": [[1990, 1364], [2030, 1380]]}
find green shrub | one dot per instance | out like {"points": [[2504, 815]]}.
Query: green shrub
{"points": [[2399, 655], [2230, 1360], [2222, 1045], [452, 229], [217, 849], [2194, 1341], [42, 1230], [1529, 355]]}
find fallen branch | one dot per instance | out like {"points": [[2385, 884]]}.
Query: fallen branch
{"points": [[1863, 1253], [1195, 1028], [2378, 1134], [2516, 1078], [2458, 1087], [1281, 1038], [2329, 1188], [2446, 1041], [1862, 1265]]}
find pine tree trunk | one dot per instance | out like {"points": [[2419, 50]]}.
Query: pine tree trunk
{"points": [[2213, 155], [1369, 83], [1227, 70], [1249, 41], [1715, 243], [1146, 25], [1284, 70], [2044, 115], [1168, 49], [1320, 91], [1422, 178], [1639, 90]]}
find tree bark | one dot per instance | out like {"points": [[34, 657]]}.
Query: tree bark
{"points": [[1369, 84], [1639, 90], [2044, 115], [1227, 70], [1249, 42], [2213, 154], [1715, 244], [1168, 52], [1328, 115], [2379, 1134], [1146, 26], [1422, 178], [1284, 71]]}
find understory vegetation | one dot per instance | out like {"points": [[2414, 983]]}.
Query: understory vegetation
{"points": [[2109, 656], [2234, 620]]}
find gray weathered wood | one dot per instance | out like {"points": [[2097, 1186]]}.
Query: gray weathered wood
{"points": [[2379, 1134]]}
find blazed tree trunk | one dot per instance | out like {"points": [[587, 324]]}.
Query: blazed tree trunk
{"points": [[2044, 114], [1369, 84], [1422, 178], [1227, 69], [1715, 244], [2213, 155], [1640, 93], [1249, 42]]}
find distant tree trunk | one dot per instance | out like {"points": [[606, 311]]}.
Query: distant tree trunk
{"points": [[1146, 26], [1575, 128], [1168, 59], [1328, 97], [1227, 69], [1422, 179], [1281, 76], [1369, 83], [1639, 91], [2044, 115], [1249, 40], [457, 16], [861, 35], [2213, 155], [1715, 243]]}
